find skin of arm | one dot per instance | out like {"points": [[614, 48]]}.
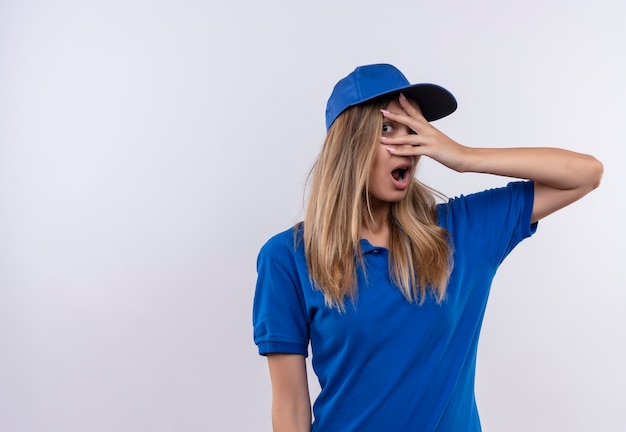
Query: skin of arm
{"points": [[291, 403], [561, 177]]}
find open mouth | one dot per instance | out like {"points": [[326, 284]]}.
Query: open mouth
{"points": [[400, 173]]}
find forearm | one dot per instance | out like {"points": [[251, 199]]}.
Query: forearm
{"points": [[291, 403], [290, 420], [552, 167]]}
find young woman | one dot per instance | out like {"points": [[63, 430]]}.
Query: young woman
{"points": [[388, 287]]}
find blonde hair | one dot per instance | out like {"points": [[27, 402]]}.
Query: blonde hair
{"points": [[338, 203]]}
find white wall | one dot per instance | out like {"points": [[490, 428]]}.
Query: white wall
{"points": [[149, 148]]}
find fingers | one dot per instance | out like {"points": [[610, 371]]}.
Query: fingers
{"points": [[411, 107], [414, 140], [405, 150], [400, 118], [411, 115]]}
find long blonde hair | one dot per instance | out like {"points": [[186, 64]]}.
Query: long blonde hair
{"points": [[338, 203]]}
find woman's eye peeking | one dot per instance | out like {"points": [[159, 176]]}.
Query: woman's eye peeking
{"points": [[387, 127]]}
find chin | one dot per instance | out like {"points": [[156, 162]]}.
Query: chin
{"points": [[389, 196], [395, 198]]}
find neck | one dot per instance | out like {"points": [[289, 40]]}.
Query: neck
{"points": [[376, 226]]}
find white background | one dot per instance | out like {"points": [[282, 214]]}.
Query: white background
{"points": [[149, 148]]}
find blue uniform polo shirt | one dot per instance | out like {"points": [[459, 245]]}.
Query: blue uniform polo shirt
{"points": [[386, 364]]}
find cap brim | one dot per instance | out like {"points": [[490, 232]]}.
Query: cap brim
{"points": [[435, 101]]}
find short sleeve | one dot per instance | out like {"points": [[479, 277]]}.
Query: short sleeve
{"points": [[279, 312], [493, 221]]}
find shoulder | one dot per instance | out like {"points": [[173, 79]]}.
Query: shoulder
{"points": [[515, 194], [516, 189], [494, 220], [285, 243]]}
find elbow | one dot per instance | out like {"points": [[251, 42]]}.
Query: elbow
{"points": [[596, 173]]}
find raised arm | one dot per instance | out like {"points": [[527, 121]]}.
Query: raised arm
{"points": [[291, 403], [560, 176]]}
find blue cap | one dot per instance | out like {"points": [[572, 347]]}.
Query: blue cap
{"points": [[370, 81]]}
